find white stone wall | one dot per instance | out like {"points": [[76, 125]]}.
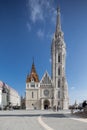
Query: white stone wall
{"points": [[59, 48], [0, 96], [10, 95], [14, 97], [32, 96], [4, 99]]}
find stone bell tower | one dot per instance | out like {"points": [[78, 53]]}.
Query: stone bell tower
{"points": [[58, 54], [32, 89]]}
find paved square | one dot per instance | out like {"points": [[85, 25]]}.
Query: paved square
{"points": [[39, 120]]}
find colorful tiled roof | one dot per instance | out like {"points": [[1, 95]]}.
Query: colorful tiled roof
{"points": [[33, 75]]}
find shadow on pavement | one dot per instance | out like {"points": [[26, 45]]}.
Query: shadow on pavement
{"points": [[19, 115], [52, 115], [56, 115]]}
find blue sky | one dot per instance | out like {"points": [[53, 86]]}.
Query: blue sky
{"points": [[26, 29]]}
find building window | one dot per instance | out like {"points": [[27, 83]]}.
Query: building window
{"points": [[59, 58], [59, 83], [4, 90], [32, 80], [58, 94], [32, 94], [58, 71], [58, 103], [27, 85], [32, 83]]}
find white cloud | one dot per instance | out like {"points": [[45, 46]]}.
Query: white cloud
{"points": [[29, 27], [36, 10], [40, 33], [40, 9], [43, 11]]}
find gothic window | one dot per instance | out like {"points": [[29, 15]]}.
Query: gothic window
{"points": [[32, 94], [58, 103], [58, 94], [46, 92], [58, 71], [59, 58], [59, 83]]}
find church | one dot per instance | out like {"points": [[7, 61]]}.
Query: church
{"points": [[50, 92]]}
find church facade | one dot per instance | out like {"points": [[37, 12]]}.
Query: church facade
{"points": [[50, 92]]}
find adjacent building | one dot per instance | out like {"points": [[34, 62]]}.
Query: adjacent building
{"points": [[50, 92], [8, 96]]}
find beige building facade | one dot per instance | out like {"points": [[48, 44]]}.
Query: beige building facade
{"points": [[8, 96], [50, 92]]}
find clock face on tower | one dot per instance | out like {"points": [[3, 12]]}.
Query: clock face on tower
{"points": [[46, 92]]}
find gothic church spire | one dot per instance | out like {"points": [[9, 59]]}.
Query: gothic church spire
{"points": [[58, 22]]}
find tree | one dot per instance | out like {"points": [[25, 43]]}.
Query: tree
{"points": [[84, 104]]}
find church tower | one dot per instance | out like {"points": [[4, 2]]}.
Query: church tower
{"points": [[32, 89], [58, 54]]}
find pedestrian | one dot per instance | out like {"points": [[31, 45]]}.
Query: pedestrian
{"points": [[57, 108], [71, 111]]}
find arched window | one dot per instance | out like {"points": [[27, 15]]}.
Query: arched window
{"points": [[59, 83], [58, 94], [58, 71], [58, 103], [32, 94], [59, 58]]}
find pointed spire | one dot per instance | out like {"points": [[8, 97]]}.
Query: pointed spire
{"points": [[58, 23], [33, 67], [33, 61], [33, 74]]}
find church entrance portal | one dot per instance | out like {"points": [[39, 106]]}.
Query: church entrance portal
{"points": [[46, 104]]}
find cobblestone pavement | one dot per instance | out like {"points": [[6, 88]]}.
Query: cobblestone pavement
{"points": [[39, 120]]}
